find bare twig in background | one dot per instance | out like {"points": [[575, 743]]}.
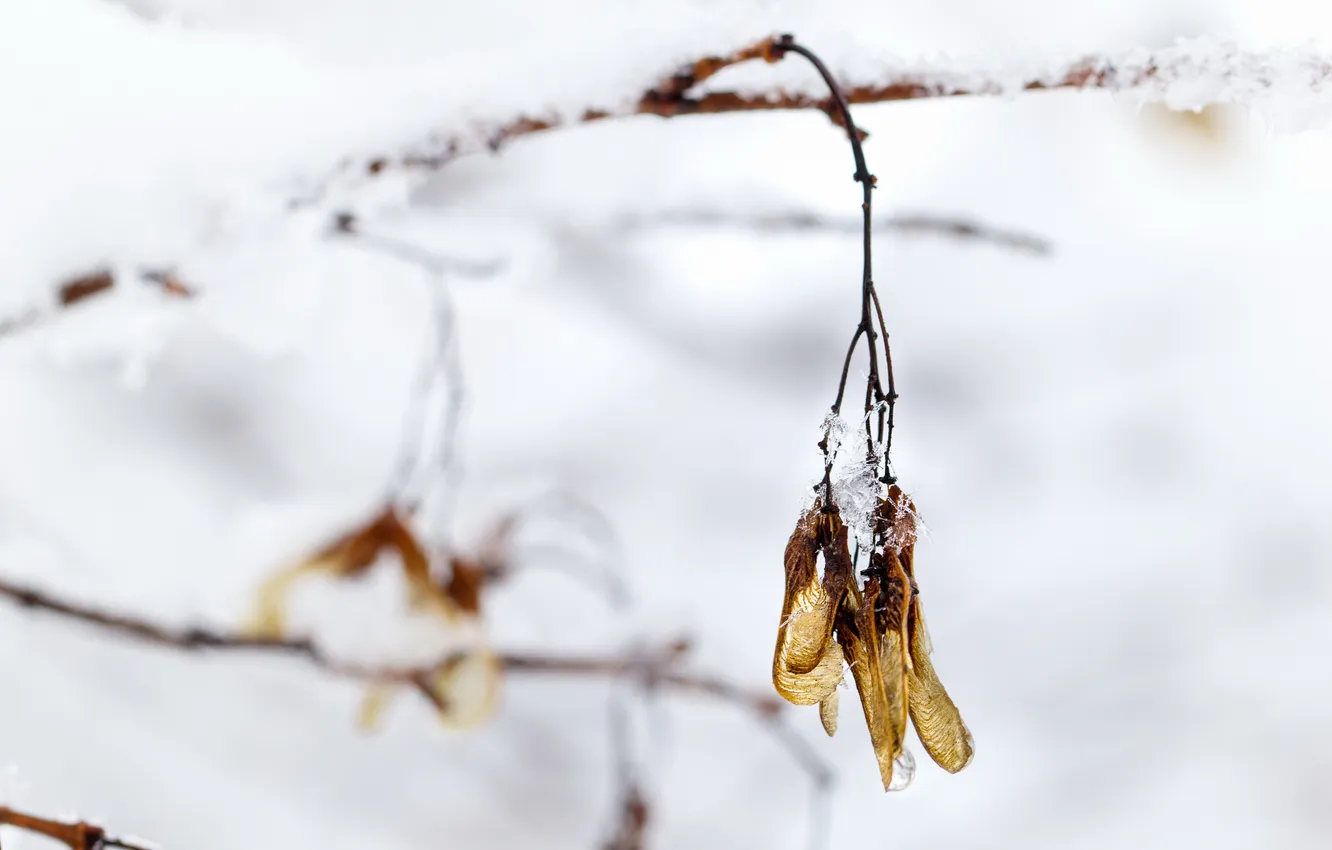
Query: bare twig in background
{"points": [[346, 224], [656, 668], [598, 570], [1150, 74], [83, 287], [651, 670], [805, 221], [631, 829], [632, 809], [75, 290], [75, 836], [417, 474], [170, 284], [11, 325]]}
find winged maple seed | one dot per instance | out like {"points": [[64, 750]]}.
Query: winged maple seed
{"points": [[807, 664], [936, 718], [877, 628], [464, 688]]}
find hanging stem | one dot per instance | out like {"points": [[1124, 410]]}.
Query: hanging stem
{"points": [[869, 298]]}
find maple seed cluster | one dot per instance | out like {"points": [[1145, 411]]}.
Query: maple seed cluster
{"points": [[464, 688], [829, 622]]}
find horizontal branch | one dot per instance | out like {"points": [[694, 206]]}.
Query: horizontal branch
{"points": [[651, 670], [654, 668], [1189, 75], [75, 835], [804, 221], [75, 290]]}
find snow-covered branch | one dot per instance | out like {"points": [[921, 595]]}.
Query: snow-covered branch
{"points": [[78, 289], [76, 835], [656, 668], [1286, 86]]}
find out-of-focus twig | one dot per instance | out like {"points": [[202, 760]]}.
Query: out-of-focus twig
{"points": [[346, 224], [74, 835], [427, 462], [652, 670], [631, 828], [599, 571], [632, 808], [81, 288], [85, 286], [658, 667], [804, 221]]}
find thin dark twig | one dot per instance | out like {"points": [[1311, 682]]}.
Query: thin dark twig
{"points": [[892, 392], [846, 369], [862, 176], [874, 392]]}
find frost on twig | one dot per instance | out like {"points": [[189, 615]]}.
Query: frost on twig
{"points": [[1288, 87]]}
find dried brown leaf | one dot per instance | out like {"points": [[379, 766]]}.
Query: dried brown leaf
{"points": [[465, 583], [349, 556]]}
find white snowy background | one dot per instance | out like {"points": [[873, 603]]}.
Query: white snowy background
{"points": [[1120, 450]]}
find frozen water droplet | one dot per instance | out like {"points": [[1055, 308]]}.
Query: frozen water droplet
{"points": [[904, 770]]}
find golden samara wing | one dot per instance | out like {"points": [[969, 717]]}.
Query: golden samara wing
{"points": [[828, 710], [892, 609], [803, 632], [814, 686], [937, 720], [858, 633], [465, 692]]}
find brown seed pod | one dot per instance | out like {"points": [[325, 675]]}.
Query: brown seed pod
{"points": [[806, 663], [858, 633], [829, 707], [938, 722]]}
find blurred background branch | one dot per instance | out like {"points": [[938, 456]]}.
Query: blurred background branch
{"points": [[75, 835], [801, 221]]}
